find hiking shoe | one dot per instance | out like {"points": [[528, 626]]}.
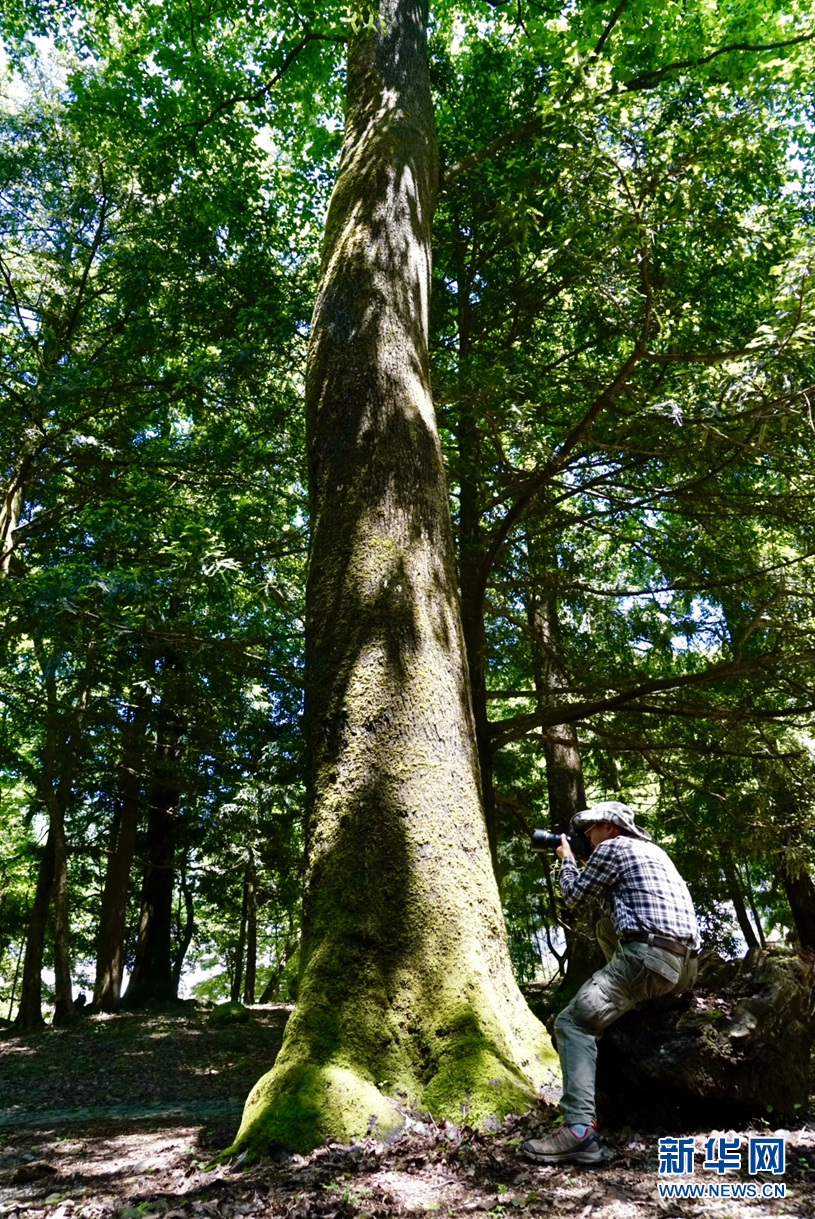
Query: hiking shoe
{"points": [[564, 1147]]}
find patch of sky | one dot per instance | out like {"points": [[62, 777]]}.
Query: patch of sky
{"points": [[182, 426], [549, 963], [148, 433]]}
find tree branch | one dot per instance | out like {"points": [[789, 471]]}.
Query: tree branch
{"points": [[265, 89], [504, 731], [543, 477], [92, 252], [696, 357], [649, 80]]}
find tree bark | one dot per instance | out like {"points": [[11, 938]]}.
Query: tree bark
{"points": [[151, 981], [113, 913], [793, 874], [10, 509], [564, 766], [406, 987], [738, 1046], [13, 496]]}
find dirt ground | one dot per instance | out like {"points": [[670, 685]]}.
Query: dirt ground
{"points": [[119, 1116]]}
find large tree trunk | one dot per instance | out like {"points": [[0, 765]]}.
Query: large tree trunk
{"points": [[151, 981], [406, 986], [112, 917], [800, 893]]}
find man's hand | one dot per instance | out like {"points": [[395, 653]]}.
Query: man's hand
{"points": [[564, 851]]}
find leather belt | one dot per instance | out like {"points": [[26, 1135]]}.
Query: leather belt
{"points": [[660, 941]]}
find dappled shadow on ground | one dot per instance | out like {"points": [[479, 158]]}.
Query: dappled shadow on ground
{"points": [[61, 1165], [136, 1173], [174, 1058]]}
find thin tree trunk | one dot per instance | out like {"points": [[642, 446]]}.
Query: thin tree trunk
{"points": [[794, 876], [561, 749], [29, 1015], [185, 933], [271, 990], [405, 973], [237, 976], [748, 889], [9, 519], [251, 934], [151, 981], [13, 496], [113, 912], [16, 979], [471, 559], [59, 755], [63, 994], [737, 898]]}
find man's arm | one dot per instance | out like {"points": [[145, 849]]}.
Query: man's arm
{"points": [[595, 882]]}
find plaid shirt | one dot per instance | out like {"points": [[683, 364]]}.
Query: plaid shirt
{"points": [[638, 887]]}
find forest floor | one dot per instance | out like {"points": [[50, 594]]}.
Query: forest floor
{"points": [[117, 1118]]}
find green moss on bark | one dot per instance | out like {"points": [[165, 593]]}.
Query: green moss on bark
{"points": [[407, 998], [454, 1070], [304, 1104]]}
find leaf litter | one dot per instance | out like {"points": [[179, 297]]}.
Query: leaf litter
{"points": [[99, 1136]]}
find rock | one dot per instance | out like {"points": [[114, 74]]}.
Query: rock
{"points": [[229, 1013], [738, 1045]]}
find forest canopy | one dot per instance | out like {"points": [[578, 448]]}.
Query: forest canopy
{"points": [[620, 350]]}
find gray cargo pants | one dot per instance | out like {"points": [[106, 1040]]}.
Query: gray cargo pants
{"points": [[634, 974]]}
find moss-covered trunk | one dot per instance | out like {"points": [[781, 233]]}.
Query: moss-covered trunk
{"points": [[406, 991]]}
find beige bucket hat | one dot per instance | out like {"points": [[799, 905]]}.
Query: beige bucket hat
{"points": [[615, 812]]}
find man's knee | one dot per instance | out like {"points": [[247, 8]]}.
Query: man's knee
{"points": [[564, 1019], [584, 1015]]}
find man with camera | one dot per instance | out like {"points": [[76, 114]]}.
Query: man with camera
{"points": [[650, 940]]}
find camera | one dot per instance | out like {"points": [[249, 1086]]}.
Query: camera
{"points": [[546, 840]]}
